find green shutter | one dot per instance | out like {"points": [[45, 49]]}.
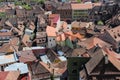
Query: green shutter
{"points": [[69, 43]]}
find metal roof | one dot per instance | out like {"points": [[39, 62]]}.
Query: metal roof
{"points": [[23, 68]]}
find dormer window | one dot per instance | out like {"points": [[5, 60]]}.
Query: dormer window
{"points": [[119, 34], [115, 36]]}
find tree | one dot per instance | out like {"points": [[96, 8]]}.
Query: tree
{"points": [[79, 1]]}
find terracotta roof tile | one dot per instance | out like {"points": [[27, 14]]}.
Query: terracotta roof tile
{"points": [[9, 75], [82, 6], [51, 31], [94, 61], [79, 6], [3, 75], [61, 37], [13, 75], [26, 56], [91, 42], [113, 57], [14, 41], [79, 24], [73, 36], [6, 48], [32, 26], [25, 39], [2, 34], [115, 33]]}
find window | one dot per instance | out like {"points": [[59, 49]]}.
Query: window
{"points": [[43, 40], [3, 37], [40, 40], [41, 29]]}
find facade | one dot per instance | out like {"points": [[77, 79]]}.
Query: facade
{"points": [[51, 33], [5, 37], [51, 42], [41, 39], [80, 11], [41, 35], [65, 12]]}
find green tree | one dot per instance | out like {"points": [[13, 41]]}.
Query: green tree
{"points": [[69, 43], [79, 1]]}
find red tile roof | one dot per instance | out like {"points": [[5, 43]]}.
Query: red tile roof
{"points": [[115, 33], [73, 36], [91, 42], [32, 26], [79, 6], [9, 75], [25, 39], [14, 41], [61, 37], [26, 56], [3, 75], [82, 6], [51, 31], [113, 57], [6, 48], [2, 34], [69, 34]]}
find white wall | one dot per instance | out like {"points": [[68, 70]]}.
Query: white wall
{"points": [[51, 42]]}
